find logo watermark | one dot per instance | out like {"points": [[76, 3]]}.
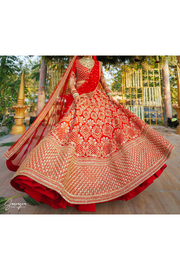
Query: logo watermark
{"points": [[9, 204]]}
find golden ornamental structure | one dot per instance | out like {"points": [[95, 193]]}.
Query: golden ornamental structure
{"points": [[140, 92], [19, 127], [177, 107]]}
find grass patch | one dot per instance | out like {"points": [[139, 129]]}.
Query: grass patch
{"points": [[7, 144]]}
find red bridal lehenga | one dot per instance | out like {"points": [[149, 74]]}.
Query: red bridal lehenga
{"points": [[89, 153]]}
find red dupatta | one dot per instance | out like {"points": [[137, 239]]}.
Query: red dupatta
{"points": [[91, 84], [88, 86], [50, 115]]}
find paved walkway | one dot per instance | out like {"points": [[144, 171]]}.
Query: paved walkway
{"points": [[10, 138], [162, 197]]}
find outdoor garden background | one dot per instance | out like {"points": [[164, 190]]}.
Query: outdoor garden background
{"points": [[137, 82]]}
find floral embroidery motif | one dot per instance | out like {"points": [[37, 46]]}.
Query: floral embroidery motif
{"points": [[98, 127], [85, 131], [97, 152]]}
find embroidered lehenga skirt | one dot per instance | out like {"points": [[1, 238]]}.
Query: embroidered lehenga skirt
{"points": [[98, 152]]}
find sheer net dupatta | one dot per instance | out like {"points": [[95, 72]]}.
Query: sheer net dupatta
{"points": [[49, 116]]}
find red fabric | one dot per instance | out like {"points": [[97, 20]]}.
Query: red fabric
{"points": [[60, 106], [44, 194], [91, 84], [87, 87], [59, 110], [41, 126], [11, 166]]}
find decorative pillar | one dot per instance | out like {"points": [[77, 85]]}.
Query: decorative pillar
{"points": [[177, 107], [167, 93], [19, 127], [41, 90]]}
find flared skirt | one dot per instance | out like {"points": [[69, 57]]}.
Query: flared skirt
{"points": [[98, 152]]}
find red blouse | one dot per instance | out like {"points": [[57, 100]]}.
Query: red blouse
{"points": [[82, 74]]}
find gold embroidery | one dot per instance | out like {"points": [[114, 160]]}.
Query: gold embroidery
{"points": [[94, 154], [10, 152], [87, 64], [97, 152]]}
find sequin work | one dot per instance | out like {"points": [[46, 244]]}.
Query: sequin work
{"points": [[97, 152]]}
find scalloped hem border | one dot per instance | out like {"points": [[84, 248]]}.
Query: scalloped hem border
{"points": [[52, 198]]}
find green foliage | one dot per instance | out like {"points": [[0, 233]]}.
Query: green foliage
{"points": [[117, 62], [9, 122], [117, 81], [2, 205], [32, 71], [10, 79], [172, 62], [56, 61], [6, 144], [28, 199], [136, 61], [31, 201], [32, 78], [3, 133], [11, 71], [173, 85]]}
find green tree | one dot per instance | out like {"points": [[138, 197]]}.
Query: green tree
{"points": [[32, 69], [10, 79], [173, 85], [150, 62], [117, 81]]}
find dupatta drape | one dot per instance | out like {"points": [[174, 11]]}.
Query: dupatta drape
{"points": [[50, 115]]}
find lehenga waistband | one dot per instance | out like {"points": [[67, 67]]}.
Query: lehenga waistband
{"points": [[89, 94], [79, 83]]}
